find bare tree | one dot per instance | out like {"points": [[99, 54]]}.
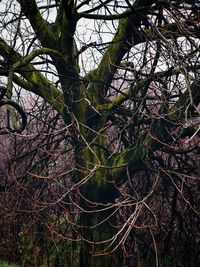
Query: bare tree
{"points": [[101, 114]]}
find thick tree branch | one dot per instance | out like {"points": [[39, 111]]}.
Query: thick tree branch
{"points": [[133, 158], [37, 83], [42, 28], [20, 111], [128, 35], [107, 17], [133, 90]]}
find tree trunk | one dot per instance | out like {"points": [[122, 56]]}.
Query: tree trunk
{"points": [[98, 193], [89, 256], [99, 227]]}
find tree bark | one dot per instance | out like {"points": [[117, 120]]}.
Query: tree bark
{"points": [[98, 194]]}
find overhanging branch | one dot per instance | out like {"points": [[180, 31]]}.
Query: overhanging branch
{"points": [[20, 111], [37, 83]]}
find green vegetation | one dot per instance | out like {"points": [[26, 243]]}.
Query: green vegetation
{"points": [[3, 264]]}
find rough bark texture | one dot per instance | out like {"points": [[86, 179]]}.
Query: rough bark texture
{"points": [[86, 112]]}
